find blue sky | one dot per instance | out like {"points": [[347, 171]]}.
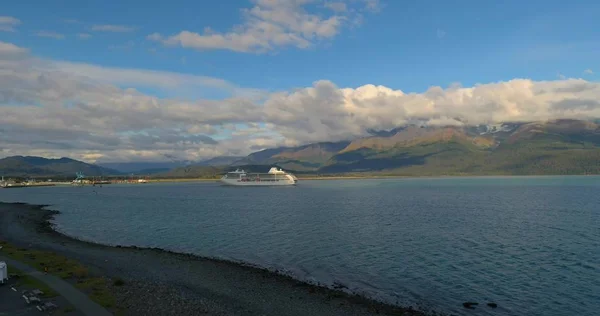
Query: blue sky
{"points": [[129, 80], [406, 45]]}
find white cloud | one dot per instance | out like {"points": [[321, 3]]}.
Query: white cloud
{"points": [[112, 28], [336, 6], [50, 34], [155, 37], [588, 72], [270, 24], [326, 112], [11, 49], [76, 110], [130, 77], [83, 35], [58, 108], [372, 5], [8, 23]]}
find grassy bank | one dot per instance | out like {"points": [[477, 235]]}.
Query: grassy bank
{"points": [[96, 287], [31, 283]]}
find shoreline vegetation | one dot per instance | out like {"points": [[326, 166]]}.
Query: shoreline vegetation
{"points": [[98, 288], [130, 280]]}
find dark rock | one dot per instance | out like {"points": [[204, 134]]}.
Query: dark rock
{"points": [[492, 305], [470, 305]]}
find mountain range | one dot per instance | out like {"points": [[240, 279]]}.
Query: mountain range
{"points": [[31, 166], [562, 146], [159, 167]]}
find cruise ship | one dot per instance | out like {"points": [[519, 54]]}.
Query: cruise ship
{"points": [[274, 177]]}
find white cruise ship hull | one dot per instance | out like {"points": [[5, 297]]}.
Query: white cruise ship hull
{"points": [[275, 177], [238, 182]]}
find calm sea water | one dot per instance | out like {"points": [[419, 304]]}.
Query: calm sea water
{"points": [[530, 244]]}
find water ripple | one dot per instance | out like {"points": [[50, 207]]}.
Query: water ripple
{"points": [[528, 244]]}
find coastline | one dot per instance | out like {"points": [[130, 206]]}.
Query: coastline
{"points": [[333, 178], [404, 177], [193, 284]]}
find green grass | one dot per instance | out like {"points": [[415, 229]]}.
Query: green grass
{"points": [[98, 289], [539, 157], [44, 261], [30, 283]]}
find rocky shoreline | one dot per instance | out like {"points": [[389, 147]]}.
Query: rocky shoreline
{"points": [[162, 282]]}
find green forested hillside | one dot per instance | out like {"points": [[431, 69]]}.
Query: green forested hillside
{"points": [[30, 166], [562, 147]]}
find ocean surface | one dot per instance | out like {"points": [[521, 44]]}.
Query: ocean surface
{"points": [[529, 244]]}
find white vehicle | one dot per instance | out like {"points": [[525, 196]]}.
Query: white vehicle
{"points": [[3, 272], [273, 177]]}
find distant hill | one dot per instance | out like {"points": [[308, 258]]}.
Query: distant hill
{"points": [[192, 171], [30, 166], [150, 168], [526, 148], [220, 161], [142, 167], [302, 158], [550, 147], [553, 147]]}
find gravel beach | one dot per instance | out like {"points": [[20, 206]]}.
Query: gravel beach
{"points": [[159, 282]]}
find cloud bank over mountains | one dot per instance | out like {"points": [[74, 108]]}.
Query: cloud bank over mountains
{"points": [[57, 108]]}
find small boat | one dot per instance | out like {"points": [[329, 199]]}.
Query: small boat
{"points": [[274, 177]]}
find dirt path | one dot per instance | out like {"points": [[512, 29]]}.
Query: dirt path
{"points": [[79, 300]]}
